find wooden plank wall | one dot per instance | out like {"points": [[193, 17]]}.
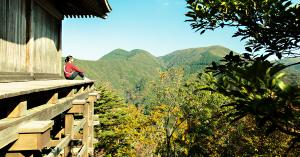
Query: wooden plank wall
{"points": [[12, 36], [30, 40], [46, 32]]}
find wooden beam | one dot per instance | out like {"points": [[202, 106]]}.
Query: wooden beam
{"points": [[53, 99], [83, 152], [71, 93], [54, 143], [36, 126], [59, 134], [64, 142], [96, 123], [79, 102], [19, 110], [14, 154], [31, 141], [8, 136], [78, 136], [87, 88], [78, 106], [80, 90], [76, 109], [34, 135], [75, 151], [8, 90], [93, 94], [93, 86], [80, 125]]}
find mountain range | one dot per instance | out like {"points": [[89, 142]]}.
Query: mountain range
{"points": [[124, 69]]}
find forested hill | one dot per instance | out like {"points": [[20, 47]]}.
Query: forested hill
{"points": [[124, 69], [194, 59]]}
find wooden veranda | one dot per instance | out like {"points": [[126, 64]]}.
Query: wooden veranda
{"points": [[47, 118]]}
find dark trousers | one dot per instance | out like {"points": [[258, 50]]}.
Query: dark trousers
{"points": [[75, 74]]}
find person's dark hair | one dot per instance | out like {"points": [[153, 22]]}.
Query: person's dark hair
{"points": [[68, 58]]}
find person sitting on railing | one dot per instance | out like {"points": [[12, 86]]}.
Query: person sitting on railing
{"points": [[71, 71]]}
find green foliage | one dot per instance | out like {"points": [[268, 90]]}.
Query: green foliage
{"points": [[194, 60], [167, 100], [185, 113], [254, 85], [269, 24], [124, 130], [182, 120], [123, 69], [109, 116], [273, 103]]}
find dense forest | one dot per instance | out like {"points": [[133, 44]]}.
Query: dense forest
{"points": [[238, 105]]}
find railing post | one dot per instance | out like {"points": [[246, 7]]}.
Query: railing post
{"points": [[69, 122], [86, 130], [91, 99]]}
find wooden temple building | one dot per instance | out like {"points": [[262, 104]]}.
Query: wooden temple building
{"points": [[42, 114]]}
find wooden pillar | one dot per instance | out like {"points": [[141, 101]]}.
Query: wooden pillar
{"points": [[60, 47], [81, 107], [69, 122], [29, 36], [85, 140], [91, 99]]}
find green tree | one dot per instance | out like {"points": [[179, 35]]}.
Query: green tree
{"points": [[184, 113], [253, 83], [167, 100], [269, 24], [124, 130]]}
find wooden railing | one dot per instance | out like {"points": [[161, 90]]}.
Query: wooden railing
{"points": [[47, 118]]}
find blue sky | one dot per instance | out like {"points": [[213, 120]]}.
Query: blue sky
{"points": [[156, 26]]}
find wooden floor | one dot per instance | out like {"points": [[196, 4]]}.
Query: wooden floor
{"points": [[13, 89]]}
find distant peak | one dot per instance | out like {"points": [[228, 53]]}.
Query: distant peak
{"points": [[116, 53], [139, 51], [118, 50], [216, 46]]}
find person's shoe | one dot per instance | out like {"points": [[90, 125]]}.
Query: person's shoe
{"points": [[86, 79]]}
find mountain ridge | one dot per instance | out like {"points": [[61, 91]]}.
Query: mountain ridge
{"points": [[124, 69]]}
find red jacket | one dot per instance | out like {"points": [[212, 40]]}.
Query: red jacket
{"points": [[69, 69]]}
